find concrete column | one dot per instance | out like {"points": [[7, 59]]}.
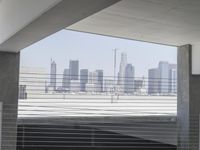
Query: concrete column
{"points": [[188, 101], [9, 79]]}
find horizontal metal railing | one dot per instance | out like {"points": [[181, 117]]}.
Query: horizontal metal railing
{"points": [[102, 97], [98, 85], [99, 113]]}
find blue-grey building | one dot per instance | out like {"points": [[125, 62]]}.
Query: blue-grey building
{"points": [[66, 79], [83, 79], [163, 80], [164, 77], [153, 81], [53, 75], [98, 81], [74, 69], [173, 79], [129, 79]]}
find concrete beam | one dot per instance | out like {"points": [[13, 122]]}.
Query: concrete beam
{"points": [[195, 59], [16, 14], [9, 79], [64, 14]]}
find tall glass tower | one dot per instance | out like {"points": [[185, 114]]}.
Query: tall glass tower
{"points": [[121, 74], [53, 75], [129, 79]]}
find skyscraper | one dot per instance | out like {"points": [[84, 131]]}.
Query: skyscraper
{"points": [[164, 77], [162, 80], [90, 86], [53, 75], [74, 86], [153, 81], [74, 69], [121, 73], [108, 85], [129, 79], [173, 78], [66, 79], [91, 77], [99, 81], [83, 79], [138, 84]]}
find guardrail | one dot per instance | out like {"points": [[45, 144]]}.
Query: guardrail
{"points": [[132, 115]]}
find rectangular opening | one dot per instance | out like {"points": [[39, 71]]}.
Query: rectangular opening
{"points": [[109, 92]]}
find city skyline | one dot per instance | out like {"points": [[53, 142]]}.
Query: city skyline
{"points": [[76, 71], [121, 68], [161, 80], [95, 52]]}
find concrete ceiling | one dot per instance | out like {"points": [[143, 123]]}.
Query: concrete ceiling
{"points": [[171, 22], [16, 14], [24, 22]]}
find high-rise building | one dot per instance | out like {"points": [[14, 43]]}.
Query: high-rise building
{"points": [[91, 77], [164, 77], [66, 79], [90, 86], [129, 79], [121, 73], [163, 80], [140, 87], [74, 69], [153, 81], [138, 84], [53, 75], [74, 86], [108, 86], [83, 79], [99, 81], [173, 78]]}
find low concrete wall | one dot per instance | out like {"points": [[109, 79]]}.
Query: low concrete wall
{"points": [[159, 129]]}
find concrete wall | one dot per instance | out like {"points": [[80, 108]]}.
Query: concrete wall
{"points": [[0, 122], [159, 129], [9, 78], [188, 101]]}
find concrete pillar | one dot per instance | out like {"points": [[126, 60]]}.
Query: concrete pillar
{"points": [[188, 101], [9, 79]]}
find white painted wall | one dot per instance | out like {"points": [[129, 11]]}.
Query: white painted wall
{"points": [[16, 14]]}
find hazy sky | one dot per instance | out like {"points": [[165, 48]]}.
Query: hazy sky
{"points": [[95, 52]]}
